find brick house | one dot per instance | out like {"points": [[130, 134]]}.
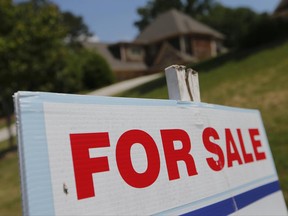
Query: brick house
{"points": [[172, 38]]}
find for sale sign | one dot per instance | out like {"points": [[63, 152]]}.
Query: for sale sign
{"points": [[87, 155]]}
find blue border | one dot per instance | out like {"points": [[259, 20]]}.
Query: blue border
{"points": [[35, 162]]}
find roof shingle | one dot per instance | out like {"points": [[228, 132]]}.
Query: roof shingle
{"points": [[173, 23]]}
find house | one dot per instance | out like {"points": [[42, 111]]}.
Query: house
{"points": [[172, 38], [282, 9]]}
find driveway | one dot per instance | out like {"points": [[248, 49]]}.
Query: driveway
{"points": [[125, 85]]}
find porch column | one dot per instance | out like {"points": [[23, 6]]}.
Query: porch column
{"points": [[182, 44]]}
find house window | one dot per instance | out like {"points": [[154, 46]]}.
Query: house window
{"points": [[115, 51], [136, 50], [175, 42]]}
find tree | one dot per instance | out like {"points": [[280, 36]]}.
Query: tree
{"points": [[33, 53], [29, 48], [198, 8], [7, 18], [234, 23], [84, 70], [96, 71], [265, 29], [75, 27]]}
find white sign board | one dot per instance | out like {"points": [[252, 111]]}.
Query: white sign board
{"points": [[87, 155]]}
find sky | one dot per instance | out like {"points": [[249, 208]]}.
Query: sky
{"points": [[113, 20]]}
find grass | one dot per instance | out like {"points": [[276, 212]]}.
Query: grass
{"points": [[255, 79], [3, 122], [251, 80], [10, 198]]}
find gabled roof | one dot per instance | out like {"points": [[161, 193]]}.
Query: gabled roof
{"points": [[173, 23]]}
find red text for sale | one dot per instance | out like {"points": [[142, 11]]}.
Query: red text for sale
{"points": [[227, 150]]}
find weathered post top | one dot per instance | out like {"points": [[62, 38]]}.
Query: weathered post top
{"points": [[183, 84]]}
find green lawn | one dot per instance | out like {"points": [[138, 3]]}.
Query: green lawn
{"points": [[10, 198], [3, 122], [256, 79]]}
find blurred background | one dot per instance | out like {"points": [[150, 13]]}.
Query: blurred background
{"points": [[239, 48]]}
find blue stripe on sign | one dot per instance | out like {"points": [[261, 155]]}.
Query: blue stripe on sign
{"points": [[255, 194], [227, 206]]}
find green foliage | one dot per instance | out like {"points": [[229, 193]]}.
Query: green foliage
{"points": [[233, 23], [40, 51], [97, 72], [82, 70], [264, 30], [68, 78], [30, 53], [10, 197], [243, 27], [6, 17], [75, 27], [198, 8]]}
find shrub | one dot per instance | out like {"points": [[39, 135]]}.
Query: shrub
{"points": [[265, 30], [96, 71]]}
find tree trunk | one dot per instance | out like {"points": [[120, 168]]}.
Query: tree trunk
{"points": [[8, 125], [8, 119]]}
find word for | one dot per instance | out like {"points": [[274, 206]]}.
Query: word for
{"points": [[84, 166]]}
